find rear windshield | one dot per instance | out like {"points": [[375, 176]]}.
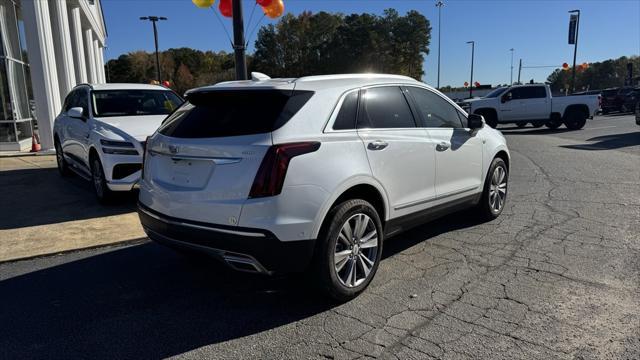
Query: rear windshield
{"points": [[233, 113], [134, 102]]}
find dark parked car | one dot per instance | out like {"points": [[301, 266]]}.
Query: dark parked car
{"points": [[613, 99], [631, 99]]}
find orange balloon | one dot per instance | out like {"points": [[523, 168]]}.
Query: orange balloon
{"points": [[274, 10]]}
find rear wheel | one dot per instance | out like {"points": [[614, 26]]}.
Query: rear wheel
{"points": [[102, 191], [349, 249], [494, 195], [63, 166], [575, 120]]}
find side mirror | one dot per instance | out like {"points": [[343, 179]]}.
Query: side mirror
{"points": [[475, 121], [506, 97], [76, 112]]}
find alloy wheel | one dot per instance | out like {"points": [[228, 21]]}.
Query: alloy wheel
{"points": [[356, 250], [97, 178], [498, 189]]}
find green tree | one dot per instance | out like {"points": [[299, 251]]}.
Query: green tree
{"points": [[599, 75]]}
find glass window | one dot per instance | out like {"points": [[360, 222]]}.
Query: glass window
{"points": [[7, 132], [233, 113], [24, 130], [436, 112], [134, 102], [495, 93], [346, 118], [385, 107], [528, 92], [81, 99], [69, 101], [463, 119], [6, 109]]}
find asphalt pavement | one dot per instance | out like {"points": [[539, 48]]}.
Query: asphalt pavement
{"points": [[557, 276]]}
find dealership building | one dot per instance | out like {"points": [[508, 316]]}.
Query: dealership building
{"points": [[46, 48]]}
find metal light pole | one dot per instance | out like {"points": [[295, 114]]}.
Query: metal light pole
{"points": [[473, 47], [575, 51], [511, 81], [238, 41], [519, 71], [439, 4], [153, 20]]}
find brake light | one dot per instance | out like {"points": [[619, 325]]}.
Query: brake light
{"points": [[273, 169]]}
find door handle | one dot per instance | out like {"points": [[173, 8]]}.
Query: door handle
{"points": [[442, 146], [377, 145]]}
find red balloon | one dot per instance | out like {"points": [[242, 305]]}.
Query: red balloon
{"points": [[166, 83], [226, 9], [476, 84], [466, 84], [264, 3], [565, 66]]}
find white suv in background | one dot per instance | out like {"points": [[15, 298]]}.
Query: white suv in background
{"points": [[99, 131], [278, 175]]}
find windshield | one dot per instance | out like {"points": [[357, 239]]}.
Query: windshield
{"points": [[134, 102], [496, 92]]}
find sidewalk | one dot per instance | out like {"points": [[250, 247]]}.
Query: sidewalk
{"points": [[42, 213]]}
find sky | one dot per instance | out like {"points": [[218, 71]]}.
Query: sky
{"points": [[536, 30]]}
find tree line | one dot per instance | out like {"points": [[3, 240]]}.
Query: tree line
{"points": [[306, 44], [597, 76]]}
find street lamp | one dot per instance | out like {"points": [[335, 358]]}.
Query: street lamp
{"points": [[439, 5], [575, 49], [511, 81], [153, 20], [473, 47]]}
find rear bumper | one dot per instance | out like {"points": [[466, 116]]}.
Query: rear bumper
{"points": [[243, 249]]}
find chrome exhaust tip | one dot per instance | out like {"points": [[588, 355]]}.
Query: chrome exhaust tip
{"points": [[242, 262]]}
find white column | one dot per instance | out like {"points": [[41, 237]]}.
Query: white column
{"points": [[44, 77], [63, 49], [78, 45], [102, 64], [98, 61], [91, 56]]}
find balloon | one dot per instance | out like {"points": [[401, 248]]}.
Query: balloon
{"points": [[203, 3], [565, 66], [274, 10], [225, 7], [476, 84], [264, 3], [166, 83], [466, 84]]}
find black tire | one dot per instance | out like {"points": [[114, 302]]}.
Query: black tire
{"points": [[328, 244], [485, 208], [521, 125], [63, 166], [575, 120], [537, 124], [553, 124], [100, 188]]}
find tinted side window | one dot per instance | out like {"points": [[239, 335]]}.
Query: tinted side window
{"points": [[463, 119], [82, 100], [528, 92], [346, 118], [69, 101], [436, 112], [385, 107]]}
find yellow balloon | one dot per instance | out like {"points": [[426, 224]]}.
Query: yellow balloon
{"points": [[203, 3], [274, 10]]}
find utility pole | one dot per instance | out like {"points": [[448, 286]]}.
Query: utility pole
{"points": [[473, 46], [153, 20], [575, 47], [238, 41], [439, 4], [511, 81], [519, 71]]}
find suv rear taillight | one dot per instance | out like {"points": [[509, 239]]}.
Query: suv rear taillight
{"points": [[273, 169]]}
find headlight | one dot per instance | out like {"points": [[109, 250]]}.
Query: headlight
{"points": [[118, 147]]}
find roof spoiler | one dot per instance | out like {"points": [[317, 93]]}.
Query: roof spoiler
{"points": [[258, 76]]}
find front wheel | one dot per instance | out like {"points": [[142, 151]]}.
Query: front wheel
{"points": [[553, 124], [349, 249], [102, 191], [63, 166], [494, 195]]}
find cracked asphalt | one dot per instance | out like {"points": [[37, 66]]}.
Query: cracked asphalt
{"points": [[557, 276]]}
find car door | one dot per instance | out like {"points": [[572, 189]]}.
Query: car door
{"points": [[401, 155], [530, 103], [508, 109], [458, 152], [78, 128]]}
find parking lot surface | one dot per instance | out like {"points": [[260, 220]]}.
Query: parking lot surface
{"points": [[556, 276]]}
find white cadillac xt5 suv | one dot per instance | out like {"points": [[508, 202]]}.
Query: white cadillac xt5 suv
{"points": [[100, 131], [281, 175]]}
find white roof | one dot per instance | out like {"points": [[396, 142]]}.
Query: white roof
{"points": [[126, 86], [319, 82]]}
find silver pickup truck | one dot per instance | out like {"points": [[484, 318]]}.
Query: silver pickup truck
{"points": [[523, 104]]}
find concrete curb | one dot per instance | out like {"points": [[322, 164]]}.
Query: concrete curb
{"points": [[64, 252], [26, 154]]}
